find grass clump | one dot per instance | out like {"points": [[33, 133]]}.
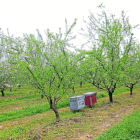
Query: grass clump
{"points": [[128, 129]]}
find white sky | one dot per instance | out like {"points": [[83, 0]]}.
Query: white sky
{"points": [[25, 16]]}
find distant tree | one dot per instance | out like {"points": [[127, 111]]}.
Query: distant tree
{"points": [[5, 68], [132, 68], [5, 75], [9, 74], [111, 40]]}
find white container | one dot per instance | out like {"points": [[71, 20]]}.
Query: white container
{"points": [[77, 102]]}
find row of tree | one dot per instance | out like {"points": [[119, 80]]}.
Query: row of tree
{"points": [[112, 61]]}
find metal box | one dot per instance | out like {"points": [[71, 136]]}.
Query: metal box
{"points": [[77, 102], [90, 98]]}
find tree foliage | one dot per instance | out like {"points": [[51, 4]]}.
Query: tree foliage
{"points": [[111, 40], [132, 68], [49, 65]]}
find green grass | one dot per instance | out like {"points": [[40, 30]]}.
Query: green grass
{"points": [[16, 90], [128, 129], [22, 99], [28, 111], [17, 132], [30, 126], [19, 98]]}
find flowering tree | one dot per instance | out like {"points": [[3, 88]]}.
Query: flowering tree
{"points": [[5, 68], [49, 65], [111, 40], [5, 75], [132, 68]]}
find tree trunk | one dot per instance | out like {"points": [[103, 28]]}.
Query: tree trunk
{"points": [[81, 84], [73, 90], [110, 97], [2, 93], [56, 113], [53, 107], [131, 88]]}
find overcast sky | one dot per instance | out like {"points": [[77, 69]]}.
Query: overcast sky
{"points": [[25, 16]]}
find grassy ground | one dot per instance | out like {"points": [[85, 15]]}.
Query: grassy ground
{"points": [[89, 121], [29, 104], [128, 129]]}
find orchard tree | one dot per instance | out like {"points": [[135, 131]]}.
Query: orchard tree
{"points": [[5, 75], [132, 68], [6, 72], [13, 47], [111, 40], [49, 64], [78, 65]]}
